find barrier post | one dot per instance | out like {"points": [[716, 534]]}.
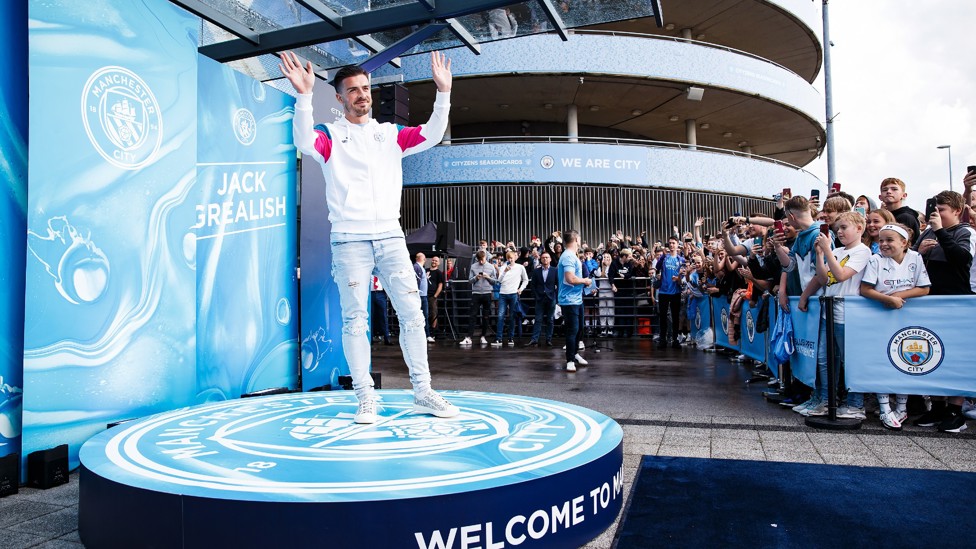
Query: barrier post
{"points": [[831, 421]]}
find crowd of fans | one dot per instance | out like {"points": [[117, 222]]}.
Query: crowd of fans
{"points": [[845, 246]]}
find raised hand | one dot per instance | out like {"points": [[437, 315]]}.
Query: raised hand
{"points": [[302, 78], [440, 68]]}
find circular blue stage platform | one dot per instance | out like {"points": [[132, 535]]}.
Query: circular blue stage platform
{"points": [[295, 470]]}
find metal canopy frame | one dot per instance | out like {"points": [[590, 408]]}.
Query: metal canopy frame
{"points": [[425, 19]]}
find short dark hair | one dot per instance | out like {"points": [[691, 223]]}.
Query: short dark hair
{"points": [[346, 72], [950, 198], [570, 236]]}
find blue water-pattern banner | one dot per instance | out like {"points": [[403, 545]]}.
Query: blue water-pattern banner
{"points": [[110, 274], [13, 202], [700, 313], [322, 356], [924, 348], [246, 236]]}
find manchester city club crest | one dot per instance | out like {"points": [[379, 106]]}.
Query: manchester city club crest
{"points": [[121, 117], [245, 127], [547, 162], [750, 326], [915, 350], [522, 471], [724, 315]]}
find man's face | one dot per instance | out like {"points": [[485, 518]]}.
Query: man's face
{"points": [[435, 262], [625, 258], [355, 97], [546, 259], [421, 258], [892, 195], [673, 245]]}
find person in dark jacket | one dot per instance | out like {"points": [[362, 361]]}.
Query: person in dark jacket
{"points": [[545, 289]]}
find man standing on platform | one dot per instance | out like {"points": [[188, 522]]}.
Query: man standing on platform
{"points": [[362, 163], [571, 286]]}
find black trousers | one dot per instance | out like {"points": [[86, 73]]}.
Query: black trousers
{"points": [[665, 303], [480, 307]]}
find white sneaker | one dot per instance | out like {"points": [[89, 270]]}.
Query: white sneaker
{"points": [[496, 343], [580, 360], [890, 421], [570, 367], [434, 404], [581, 346], [902, 415], [366, 412], [465, 341], [484, 341], [430, 339], [850, 412]]}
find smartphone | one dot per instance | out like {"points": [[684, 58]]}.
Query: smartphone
{"points": [[835, 187], [787, 193], [815, 194], [825, 229], [930, 207], [778, 226], [971, 169], [730, 223], [861, 211]]}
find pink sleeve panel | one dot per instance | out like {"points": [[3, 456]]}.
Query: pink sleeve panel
{"points": [[410, 137], [323, 144]]}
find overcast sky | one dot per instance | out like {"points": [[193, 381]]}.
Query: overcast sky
{"points": [[904, 82]]}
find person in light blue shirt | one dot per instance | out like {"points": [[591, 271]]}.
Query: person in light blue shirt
{"points": [[670, 267], [570, 297]]}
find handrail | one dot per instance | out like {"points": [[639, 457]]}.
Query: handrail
{"points": [[689, 41], [610, 141]]}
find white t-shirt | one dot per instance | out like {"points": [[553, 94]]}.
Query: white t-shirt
{"points": [[855, 258], [888, 276]]}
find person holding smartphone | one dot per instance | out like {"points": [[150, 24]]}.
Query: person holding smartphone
{"points": [[482, 276], [512, 279]]}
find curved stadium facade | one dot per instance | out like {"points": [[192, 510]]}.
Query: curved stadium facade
{"points": [[625, 125]]}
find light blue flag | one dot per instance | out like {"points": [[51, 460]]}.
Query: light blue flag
{"points": [[806, 326]]}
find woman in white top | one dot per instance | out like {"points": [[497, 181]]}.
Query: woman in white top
{"points": [[891, 278]]}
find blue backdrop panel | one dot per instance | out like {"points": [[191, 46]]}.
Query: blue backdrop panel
{"points": [[323, 360], [110, 280], [246, 236], [924, 348], [13, 201], [806, 328], [752, 343], [720, 316]]}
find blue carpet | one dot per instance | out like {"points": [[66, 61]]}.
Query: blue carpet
{"points": [[692, 502]]}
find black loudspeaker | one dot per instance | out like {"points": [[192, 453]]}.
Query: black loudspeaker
{"points": [[393, 105], [446, 236], [345, 382], [9, 474], [48, 468]]}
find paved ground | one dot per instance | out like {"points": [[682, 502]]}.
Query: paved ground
{"points": [[678, 402]]}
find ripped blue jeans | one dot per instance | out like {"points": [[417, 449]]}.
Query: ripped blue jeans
{"points": [[353, 263]]}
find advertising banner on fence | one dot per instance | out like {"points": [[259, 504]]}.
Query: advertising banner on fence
{"points": [[752, 343], [700, 315], [924, 348], [806, 328], [720, 319], [110, 276], [13, 201], [246, 236]]}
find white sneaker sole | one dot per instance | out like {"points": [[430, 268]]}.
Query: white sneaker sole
{"points": [[450, 412]]}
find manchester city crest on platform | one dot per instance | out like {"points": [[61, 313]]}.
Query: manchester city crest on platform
{"points": [[245, 127], [915, 351], [121, 117]]}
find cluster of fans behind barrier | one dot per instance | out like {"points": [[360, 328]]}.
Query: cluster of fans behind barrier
{"points": [[804, 248]]}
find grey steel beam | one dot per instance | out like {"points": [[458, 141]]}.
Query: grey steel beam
{"points": [[554, 18], [401, 46], [233, 26], [357, 24], [464, 36], [429, 4], [323, 11]]}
